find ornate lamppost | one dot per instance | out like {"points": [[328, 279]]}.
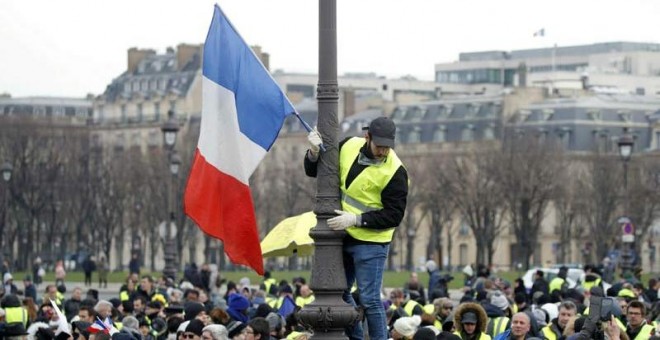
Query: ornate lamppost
{"points": [[328, 315], [626, 145], [6, 170], [170, 129]]}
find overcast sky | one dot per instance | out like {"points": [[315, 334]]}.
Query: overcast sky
{"points": [[75, 47]]}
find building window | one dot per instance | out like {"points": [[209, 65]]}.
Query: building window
{"points": [[657, 140], [595, 115], [414, 113], [467, 135], [157, 111], [153, 139], [463, 254], [162, 84], [139, 112], [625, 116], [565, 137], [415, 135], [440, 134], [548, 114], [123, 113], [489, 133], [173, 105]]}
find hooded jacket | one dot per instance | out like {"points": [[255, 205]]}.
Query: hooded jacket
{"points": [[482, 320]]}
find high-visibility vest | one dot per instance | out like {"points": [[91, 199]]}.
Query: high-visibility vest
{"points": [[482, 336], [549, 333], [556, 284], [123, 295], [625, 292], [409, 307], [587, 285], [269, 283], [271, 301], [16, 314], [363, 195], [645, 333], [302, 301], [497, 325]]}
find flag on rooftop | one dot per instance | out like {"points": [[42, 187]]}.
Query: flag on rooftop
{"points": [[540, 33], [243, 110]]}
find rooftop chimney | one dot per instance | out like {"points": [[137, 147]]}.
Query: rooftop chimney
{"points": [[185, 53], [136, 55]]}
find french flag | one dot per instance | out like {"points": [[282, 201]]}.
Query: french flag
{"points": [[99, 326], [243, 110]]}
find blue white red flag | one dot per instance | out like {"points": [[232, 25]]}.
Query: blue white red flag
{"points": [[243, 110], [100, 327]]}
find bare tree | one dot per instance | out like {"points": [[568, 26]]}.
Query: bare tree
{"points": [[567, 206], [415, 212], [439, 204], [599, 187], [472, 183], [529, 173], [644, 196]]}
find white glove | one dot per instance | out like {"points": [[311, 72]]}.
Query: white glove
{"points": [[342, 221], [315, 141]]}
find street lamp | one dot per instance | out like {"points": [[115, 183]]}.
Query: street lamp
{"points": [[6, 171], [328, 315], [626, 145], [170, 129]]}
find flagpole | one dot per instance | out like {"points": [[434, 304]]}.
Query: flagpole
{"points": [[328, 315]]}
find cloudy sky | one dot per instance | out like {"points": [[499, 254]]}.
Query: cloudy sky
{"points": [[75, 47]]}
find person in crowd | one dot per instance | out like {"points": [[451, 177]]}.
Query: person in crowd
{"points": [[102, 268], [134, 265], [374, 185], [413, 285], [540, 284], [520, 328], [72, 305], [29, 289], [215, 332], [405, 327], [470, 322], [258, 328], [88, 267], [555, 329], [637, 328]]}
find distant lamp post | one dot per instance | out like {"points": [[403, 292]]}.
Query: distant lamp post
{"points": [[6, 171], [170, 129], [626, 145]]}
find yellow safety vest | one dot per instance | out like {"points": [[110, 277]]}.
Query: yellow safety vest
{"points": [[410, 307], [301, 301], [497, 325], [645, 333], [625, 292], [271, 301], [268, 283], [482, 336], [556, 284], [549, 333], [16, 314], [364, 193], [587, 285], [123, 295]]}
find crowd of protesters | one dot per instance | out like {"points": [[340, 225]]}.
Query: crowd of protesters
{"points": [[203, 306]]}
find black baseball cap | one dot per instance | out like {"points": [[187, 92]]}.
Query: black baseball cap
{"points": [[382, 131]]}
